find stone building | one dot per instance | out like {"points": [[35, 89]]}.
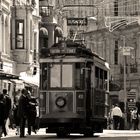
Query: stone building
{"points": [[117, 26], [7, 65]]}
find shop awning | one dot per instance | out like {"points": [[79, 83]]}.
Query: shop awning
{"points": [[7, 76], [58, 32], [30, 79]]}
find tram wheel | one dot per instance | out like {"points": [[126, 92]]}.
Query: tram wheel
{"points": [[88, 133], [62, 134]]}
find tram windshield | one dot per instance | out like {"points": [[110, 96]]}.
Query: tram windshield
{"points": [[61, 76]]}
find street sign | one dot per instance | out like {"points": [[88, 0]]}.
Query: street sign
{"points": [[126, 50], [77, 21], [131, 99]]}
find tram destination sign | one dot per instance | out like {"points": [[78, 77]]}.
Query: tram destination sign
{"points": [[77, 21], [63, 51]]}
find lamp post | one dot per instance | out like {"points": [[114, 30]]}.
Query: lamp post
{"points": [[124, 79], [126, 52]]}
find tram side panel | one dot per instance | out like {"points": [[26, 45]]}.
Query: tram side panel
{"points": [[98, 100]]}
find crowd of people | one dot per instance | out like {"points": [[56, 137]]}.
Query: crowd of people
{"points": [[22, 112], [117, 118]]}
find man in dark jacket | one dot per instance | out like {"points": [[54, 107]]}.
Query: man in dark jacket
{"points": [[22, 111], [2, 110], [32, 103]]}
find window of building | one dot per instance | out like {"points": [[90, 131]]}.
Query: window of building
{"points": [[43, 37], [45, 11], [133, 68], [35, 56], [122, 69], [116, 8], [116, 52], [31, 39], [19, 34]]}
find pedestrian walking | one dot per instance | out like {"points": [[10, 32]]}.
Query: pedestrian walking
{"points": [[15, 110], [135, 119], [31, 118], [116, 115], [37, 116], [8, 104], [22, 111], [2, 114], [110, 119]]}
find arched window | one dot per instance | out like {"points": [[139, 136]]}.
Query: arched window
{"points": [[43, 37], [58, 33]]}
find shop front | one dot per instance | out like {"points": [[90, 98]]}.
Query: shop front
{"points": [[31, 82], [6, 82]]}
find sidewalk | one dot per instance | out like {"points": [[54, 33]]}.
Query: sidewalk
{"points": [[12, 132], [119, 133], [106, 133]]}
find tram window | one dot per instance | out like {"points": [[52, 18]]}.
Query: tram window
{"points": [[44, 76], [101, 79], [96, 77], [79, 76], [61, 76], [67, 75], [105, 80], [55, 76]]}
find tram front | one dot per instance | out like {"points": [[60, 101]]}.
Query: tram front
{"points": [[64, 87]]}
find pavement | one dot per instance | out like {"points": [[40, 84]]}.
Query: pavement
{"points": [[106, 133], [119, 133]]}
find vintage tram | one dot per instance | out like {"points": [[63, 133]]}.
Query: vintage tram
{"points": [[73, 90]]}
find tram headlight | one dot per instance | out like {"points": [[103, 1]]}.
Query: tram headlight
{"points": [[60, 102]]}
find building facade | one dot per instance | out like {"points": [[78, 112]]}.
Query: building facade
{"points": [[49, 27], [117, 26], [19, 41], [7, 65]]}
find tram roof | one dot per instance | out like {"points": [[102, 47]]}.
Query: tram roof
{"points": [[68, 48]]}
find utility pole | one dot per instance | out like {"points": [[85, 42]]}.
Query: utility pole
{"points": [[125, 52], [124, 78]]}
